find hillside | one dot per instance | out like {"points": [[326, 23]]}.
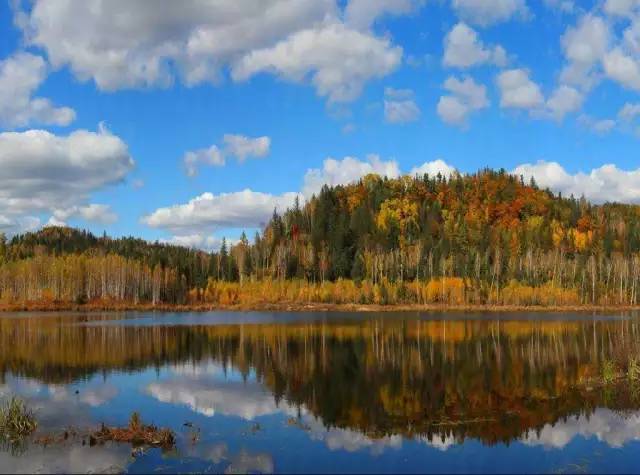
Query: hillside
{"points": [[483, 239]]}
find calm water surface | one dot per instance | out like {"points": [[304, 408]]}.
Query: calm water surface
{"points": [[304, 392]]}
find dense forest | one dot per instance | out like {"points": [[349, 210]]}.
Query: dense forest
{"points": [[482, 239]]}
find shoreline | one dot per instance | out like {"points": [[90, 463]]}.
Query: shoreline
{"points": [[310, 307]]}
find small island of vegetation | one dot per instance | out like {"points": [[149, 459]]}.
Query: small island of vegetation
{"points": [[487, 240]]}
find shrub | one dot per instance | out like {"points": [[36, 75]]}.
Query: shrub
{"points": [[16, 420]]}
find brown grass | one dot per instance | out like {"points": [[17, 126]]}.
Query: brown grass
{"points": [[136, 433], [17, 421], [302, 307]]}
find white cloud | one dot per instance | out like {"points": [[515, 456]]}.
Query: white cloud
{"points": [[564, 6], [97, 213], [20, 76], [195, 241], [623, 68], [399, 112], [245, 208], [587, 42], [122, 44], [564, 100], [338, 60], [238, 146], [22, 224], [44, 172], [463, 49], [363, 13], [584, 45], [243, 147], [599, 126], [631, 37], [518, 91], [606, 183], [488, 12], [466, 96], [399, 106], [207, 156], [433, 168], [629, 112], [398, 94], [604, 126], [452, 110], [349, 169], [591, 51], [621, 8]]}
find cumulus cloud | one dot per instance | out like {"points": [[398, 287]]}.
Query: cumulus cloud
{"points": [[399, 106], [465, 97], [20, 76], [593, 50], [606, 183], [122, 44], [518, 91], [629, 112], [488, 12], [399, 112], [17, 225], [599, 126], [243, 147], [238, 146], [337, 60], [195, 241], [623, 68], [584, 45], [97, 213], [245, 208], [349, 169], [46, 172], [564, 100], [463, 49], [433, 168], [622, 8], [204, 156], [363, 13], [564, 6]]}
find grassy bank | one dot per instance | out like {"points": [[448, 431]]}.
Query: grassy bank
{"points": [[304, 307], [451, 294]]}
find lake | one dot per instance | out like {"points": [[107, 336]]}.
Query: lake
{"points": [[269, 392]]}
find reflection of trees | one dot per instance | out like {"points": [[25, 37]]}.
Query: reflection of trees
{"points": [[490, 380]]}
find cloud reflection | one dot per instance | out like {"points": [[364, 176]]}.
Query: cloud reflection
{"points": [[613, 428]]}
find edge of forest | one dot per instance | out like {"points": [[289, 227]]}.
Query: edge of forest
{"points": [[307, 307]]}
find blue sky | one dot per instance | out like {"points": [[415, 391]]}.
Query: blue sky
{"points": [[104, 101]]}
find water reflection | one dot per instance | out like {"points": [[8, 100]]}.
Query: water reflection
{"points": [[376, 385], [614, 428]]}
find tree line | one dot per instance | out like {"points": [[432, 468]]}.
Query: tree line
{"points": [[485, 238]]}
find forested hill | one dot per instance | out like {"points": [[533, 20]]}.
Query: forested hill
{"points": [[488, 238]]}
